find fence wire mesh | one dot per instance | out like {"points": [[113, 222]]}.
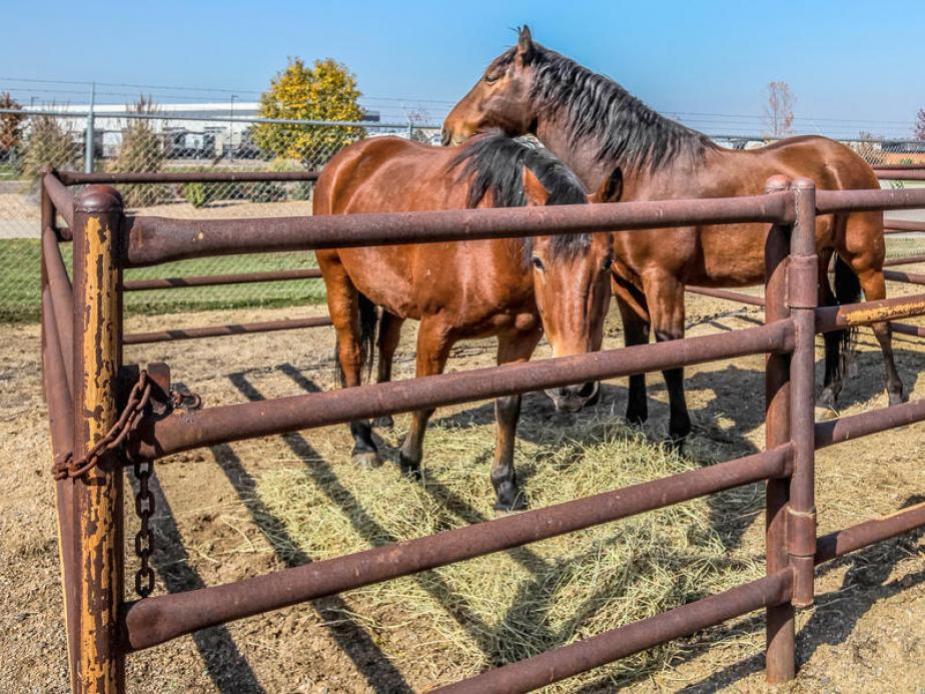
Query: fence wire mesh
{"points": [[164, 142]]}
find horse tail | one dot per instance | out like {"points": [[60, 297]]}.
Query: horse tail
{"points": [[368, 326], [847, 291]]}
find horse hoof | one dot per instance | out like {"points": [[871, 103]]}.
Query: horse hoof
{"points": [[676, 444], [594, 399], [367, 459], [826, 399], [384, 422], [509, 498], [636, 419], [898, 398], [410, 468]]}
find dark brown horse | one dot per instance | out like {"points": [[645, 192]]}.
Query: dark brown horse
{"points": [[514, 289], [593, 125]]}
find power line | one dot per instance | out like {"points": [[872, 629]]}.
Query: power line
{"points": [[399, 106]]}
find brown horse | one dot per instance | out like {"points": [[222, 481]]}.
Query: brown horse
{"points": [[593, 125], [514, 289]]}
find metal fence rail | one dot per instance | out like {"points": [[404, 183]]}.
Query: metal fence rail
{"points": [[90, 413]]}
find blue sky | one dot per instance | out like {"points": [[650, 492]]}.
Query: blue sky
{"points": [[853, 65]]}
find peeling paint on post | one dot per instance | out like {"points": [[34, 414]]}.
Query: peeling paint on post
{"points": [[98, 493]]}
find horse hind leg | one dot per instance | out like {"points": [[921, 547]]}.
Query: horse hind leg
{"points": [[344, 309], [862, 248], [835, 342], [874, 286]]}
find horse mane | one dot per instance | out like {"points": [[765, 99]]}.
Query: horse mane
{"points": [[600, 110], [494, 163]]}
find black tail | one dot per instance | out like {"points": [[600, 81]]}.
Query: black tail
{"points": [[847, 291], [369, 322]]}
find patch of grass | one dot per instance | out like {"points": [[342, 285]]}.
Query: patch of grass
{"points": [[20, 277], [456, 621]]}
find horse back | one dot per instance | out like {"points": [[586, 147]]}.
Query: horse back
{"points": [[469, 280]]}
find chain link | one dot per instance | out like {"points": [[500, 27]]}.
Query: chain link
{"points": [[144, 538]]}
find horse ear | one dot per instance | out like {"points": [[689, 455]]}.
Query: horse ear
{"points": [[524, 44], [536, 193], [611, 189]]}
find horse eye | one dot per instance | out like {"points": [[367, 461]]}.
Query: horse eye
{"points": [[537, 263], [608, 261], [491, 78]]}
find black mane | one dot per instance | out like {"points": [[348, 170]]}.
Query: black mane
{"points": [[495, 162], [598, 109]]}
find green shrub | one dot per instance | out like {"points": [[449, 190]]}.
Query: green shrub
{"points": [[197, 193]]}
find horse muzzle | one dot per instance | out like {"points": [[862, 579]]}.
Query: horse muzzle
{"points": [[573, 398]]}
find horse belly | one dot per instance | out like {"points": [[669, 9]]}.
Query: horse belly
{"points": [[381, 274], [731, 255]]}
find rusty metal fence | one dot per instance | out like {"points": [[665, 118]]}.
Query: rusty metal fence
{"points": [[105, 415]]}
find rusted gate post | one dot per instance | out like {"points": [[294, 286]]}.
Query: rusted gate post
{"points": [[779, 618], [59, 412], [98, 492], [803, 297]]}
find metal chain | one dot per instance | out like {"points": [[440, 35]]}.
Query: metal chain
{"points": [[136, 407], [65, 466], [144, 538]]}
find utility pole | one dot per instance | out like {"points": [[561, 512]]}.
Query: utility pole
{"points": [[231, 131], [88, 137]]}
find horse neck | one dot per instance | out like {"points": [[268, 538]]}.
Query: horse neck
{"points": [[580, 157]]}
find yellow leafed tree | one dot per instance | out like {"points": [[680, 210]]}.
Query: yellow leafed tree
{"points": [[325, 91]]}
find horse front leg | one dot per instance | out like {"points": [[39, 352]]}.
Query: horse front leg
{"points": [[665, 294], [389, 336], [634, 314], [512, 348], [433, 348]]}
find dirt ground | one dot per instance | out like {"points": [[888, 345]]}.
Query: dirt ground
{"points": [[865, 634]]}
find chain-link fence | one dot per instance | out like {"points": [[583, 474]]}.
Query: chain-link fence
{"points": [[165, 142], [161, 142]]}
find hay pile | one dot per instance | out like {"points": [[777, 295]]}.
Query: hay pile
{"points": [[458, 620]]}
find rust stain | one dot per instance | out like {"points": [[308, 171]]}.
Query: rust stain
{"points": [[863, 316], [99, 602]]}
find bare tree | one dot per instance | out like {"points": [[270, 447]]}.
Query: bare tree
{"points": [[920, 124], [779, 109]]}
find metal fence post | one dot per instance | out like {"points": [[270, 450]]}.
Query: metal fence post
{"points": [[98, 493], [803, 297], [780, 662]]}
